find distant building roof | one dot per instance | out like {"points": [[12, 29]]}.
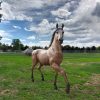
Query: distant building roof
{"points": [[28, 51]]}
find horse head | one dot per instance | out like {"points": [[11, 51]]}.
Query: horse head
{"points": [[59, 33]]}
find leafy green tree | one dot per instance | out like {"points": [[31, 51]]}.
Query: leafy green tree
{"points": [[4, 47], [16, 44], [98, 48], [93, 48]]}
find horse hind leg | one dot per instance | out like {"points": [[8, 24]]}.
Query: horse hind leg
{"points": [[33, 66], [42, 76], [32, 76]]}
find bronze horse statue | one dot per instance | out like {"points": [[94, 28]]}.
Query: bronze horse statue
{"points": [[53, 56]]}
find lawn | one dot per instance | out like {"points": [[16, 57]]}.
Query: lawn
{"points": [[83, 71]]}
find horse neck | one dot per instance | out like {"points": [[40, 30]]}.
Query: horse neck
{"points": [[56, 45]]}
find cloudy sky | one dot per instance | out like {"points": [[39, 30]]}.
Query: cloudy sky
{"points": [[33, 21]]}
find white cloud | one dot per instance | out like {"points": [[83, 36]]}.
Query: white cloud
{"points": [[97, 0], [23, 17], [6, 37], [26, 4], [84, 10], [31, 38], [6, 11], [4, 34], [82, 27], [22, 40], [52, 2], [44, 43], [19, 10], [11, 13], [43, 28], [82, 13], [62, 12], [6, 41], [26, 29], [16, 27], [39, 43]]}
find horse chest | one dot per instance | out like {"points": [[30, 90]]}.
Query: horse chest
{"points": [[57, 58]]}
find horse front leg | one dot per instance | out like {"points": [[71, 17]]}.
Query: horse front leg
{"points": [[60, 71], [55, 81]]}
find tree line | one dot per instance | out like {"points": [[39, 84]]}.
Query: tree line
{"points": [[17, 46], [68, 48]]}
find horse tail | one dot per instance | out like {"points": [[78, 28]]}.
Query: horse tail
{"points": [[34, 57], [34, 52]]}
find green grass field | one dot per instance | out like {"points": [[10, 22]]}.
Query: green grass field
{"points": [[83, 72]]}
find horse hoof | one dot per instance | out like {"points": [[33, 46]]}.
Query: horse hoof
{"points": [[55, 88], [67, 91], [32, 80], [43, 79], [68, 88]]}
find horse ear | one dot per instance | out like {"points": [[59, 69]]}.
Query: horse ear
{"points": [[57, 25], [62, 26]]}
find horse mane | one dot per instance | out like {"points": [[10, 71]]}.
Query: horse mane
{"points": [[52, 38]]}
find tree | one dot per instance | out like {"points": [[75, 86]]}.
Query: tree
{"points": [[98, 48], [4, 47], [16, 44], [88, 49], [93, 48]]}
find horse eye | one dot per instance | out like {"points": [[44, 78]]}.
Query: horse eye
{"points": [[57, 32]]}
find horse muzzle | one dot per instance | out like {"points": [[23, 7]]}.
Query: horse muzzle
{"points": [[61, 41]]}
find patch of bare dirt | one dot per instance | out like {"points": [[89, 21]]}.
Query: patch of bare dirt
{"points": [[94, 80], [7, 92], [2, 78]]}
